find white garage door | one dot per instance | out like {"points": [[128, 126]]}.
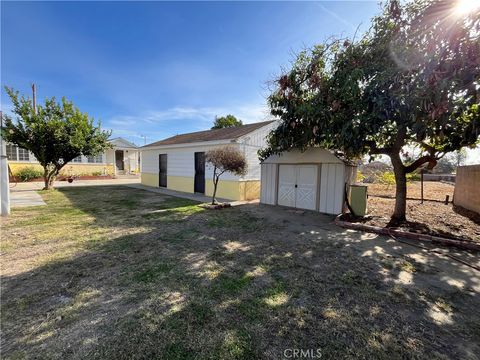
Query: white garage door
{"points": [[297, 186]]}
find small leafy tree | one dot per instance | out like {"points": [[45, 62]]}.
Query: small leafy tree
{"points": [[55, 133], [225, 159], [226, 121], [411, 81]]}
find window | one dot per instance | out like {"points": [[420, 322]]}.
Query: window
{"points": [[23, 155], [15, 153], [95, 159], [78, 159], [11, 152]]}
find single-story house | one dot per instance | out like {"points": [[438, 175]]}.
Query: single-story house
{"points": [[314, 179], [122, 158], [178, 162]]}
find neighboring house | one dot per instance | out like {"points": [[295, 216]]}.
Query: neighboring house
{"points": [[315, 180], [123, 158], [178, 163]]}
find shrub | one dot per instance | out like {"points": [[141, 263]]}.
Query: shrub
{"points": [[413, 177], [360, 176], [386, 178], [28, 173]]}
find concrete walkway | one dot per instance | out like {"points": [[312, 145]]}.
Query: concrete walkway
{"points": [[194, 197], [25, 198]]}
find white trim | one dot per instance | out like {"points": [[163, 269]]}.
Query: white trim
{"points": [[128, 144]]}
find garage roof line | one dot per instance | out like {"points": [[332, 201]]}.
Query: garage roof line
{"points": [[230, 133]]}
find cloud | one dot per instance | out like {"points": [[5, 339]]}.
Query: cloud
{"points": [[203, 115], [158, 124], [337, 16]]}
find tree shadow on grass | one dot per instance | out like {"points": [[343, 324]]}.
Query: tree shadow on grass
{"points": [[240, 283]]}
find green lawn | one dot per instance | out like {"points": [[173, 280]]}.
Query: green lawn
{"points": [[118, 273]]}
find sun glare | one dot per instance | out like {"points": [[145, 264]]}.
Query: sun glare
{"points": [[464, 7]]}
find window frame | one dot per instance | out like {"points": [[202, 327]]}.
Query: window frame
{"points": [[98, 159], [12, 152], [17, 153], [80, 160], [23, 154]]}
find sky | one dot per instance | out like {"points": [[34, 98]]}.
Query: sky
{"points": [[150, 70]]}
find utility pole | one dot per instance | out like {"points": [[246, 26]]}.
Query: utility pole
{"points": [[34, 92], [4, 184]]}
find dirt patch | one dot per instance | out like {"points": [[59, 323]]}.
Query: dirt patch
{"points": [[433, 190], [429, 217]]}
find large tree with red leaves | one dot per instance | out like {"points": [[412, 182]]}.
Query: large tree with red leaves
{"points": [[412, 80]]}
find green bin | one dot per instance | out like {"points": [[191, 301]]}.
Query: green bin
{"points": [[358, 199]]}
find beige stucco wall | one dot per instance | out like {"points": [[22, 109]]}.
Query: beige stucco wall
{"points": [[467, 188], [69, 169]]}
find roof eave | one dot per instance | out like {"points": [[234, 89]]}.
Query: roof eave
{"points": [[192, 144]]}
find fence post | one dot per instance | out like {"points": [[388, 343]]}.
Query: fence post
{"points": [[421, 180]]}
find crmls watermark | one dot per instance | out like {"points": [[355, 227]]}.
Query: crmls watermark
{"points": [[302, 353]]}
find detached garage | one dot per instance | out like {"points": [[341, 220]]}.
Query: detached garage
{"points": [[312, 180]]}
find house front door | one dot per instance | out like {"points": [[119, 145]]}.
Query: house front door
{"points": [[199, 182], [119, 159]]}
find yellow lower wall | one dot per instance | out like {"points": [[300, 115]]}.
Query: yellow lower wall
{"points": [[234, 190], [149, 179], [180, 183], [250, 190], [69, 169], [227, 189]]}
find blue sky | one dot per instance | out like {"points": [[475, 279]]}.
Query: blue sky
{"points": [[162, 68], [157, 69]]}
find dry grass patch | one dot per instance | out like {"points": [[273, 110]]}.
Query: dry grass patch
{"points": [[119, 273]]}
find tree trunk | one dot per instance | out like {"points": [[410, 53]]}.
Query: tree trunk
{"points": [[45, 179], [215, 184], [399, 213], [48, 178], [51, 180]]}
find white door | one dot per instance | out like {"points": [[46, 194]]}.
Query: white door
{"points": [[286, 185], [297, 186], [306, 195]]}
